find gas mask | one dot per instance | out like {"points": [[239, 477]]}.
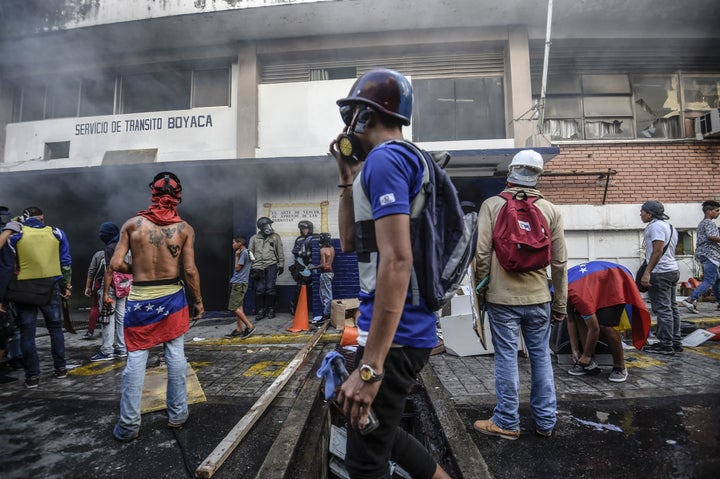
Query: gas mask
{"points": [[267, 230], [349, 144]]}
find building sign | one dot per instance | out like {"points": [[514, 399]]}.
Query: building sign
{"points": [[286, 216], [132, 125]]}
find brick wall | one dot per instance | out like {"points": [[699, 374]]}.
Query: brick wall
{"points": [[671, 172]]}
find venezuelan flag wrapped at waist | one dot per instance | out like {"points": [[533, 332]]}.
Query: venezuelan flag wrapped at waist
{"points": [[155, 315], [600, 284]]}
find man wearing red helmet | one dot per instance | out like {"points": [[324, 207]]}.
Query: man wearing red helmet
{"points": [[378, 180]]}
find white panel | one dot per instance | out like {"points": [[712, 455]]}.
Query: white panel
{"points": [[299, 119], [197, 134]]}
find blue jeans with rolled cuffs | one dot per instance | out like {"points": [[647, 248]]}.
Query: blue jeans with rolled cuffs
{"points": [[506, 324], [133, 378]]}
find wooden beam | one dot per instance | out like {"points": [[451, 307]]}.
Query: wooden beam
{"points": [[216, 459]]}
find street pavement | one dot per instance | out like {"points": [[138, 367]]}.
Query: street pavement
{"points": [[661, 422]]}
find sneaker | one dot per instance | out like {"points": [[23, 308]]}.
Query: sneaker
{"points": [[88, 336], [32, 382], [61, 373], [491, 429], [102, 357], [120, 354], [658, 348], [690, 305], [677, 348], [591, 369], [618, 375], [235, 333], [248, 332], [544, 433]]}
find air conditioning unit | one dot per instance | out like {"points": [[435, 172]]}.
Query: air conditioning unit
{"points": [[708, 125]]}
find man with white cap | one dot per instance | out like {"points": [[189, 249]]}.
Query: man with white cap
{"points": [[661, 277], [521, 303]]}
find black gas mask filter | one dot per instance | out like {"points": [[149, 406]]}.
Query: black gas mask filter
{"points": [[348, 143]]}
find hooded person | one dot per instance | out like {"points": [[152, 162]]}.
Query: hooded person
{"points": [[112, 311]]}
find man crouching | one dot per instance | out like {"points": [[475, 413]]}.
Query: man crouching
{"points": [[157, 311]]}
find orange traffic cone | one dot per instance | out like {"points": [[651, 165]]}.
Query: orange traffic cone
{"points": [[300, 323]]}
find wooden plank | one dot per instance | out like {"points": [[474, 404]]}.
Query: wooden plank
{"points": [[211, 464]]}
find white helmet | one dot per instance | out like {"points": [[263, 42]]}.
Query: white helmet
{"points": [[525, 168]]}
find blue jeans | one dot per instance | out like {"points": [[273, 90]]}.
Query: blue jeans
{"points": [[133, 378], [113, 336], [710, 280], [664, 305], [506, 322], [326, 295], [27, 315]]}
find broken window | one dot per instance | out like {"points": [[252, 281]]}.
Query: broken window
{"points": [[657, 106], [700, 94]]}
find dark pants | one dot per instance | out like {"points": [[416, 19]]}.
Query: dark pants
{"points": [[27, 315], [368, 456]]}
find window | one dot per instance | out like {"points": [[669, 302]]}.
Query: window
{"points": [[62, 98], [458, 109], [60, 149], [97, 96], [211, 87], [624, 106], [104, 94], [33, 102], [657, 106], [158, 91], [701, 94]]}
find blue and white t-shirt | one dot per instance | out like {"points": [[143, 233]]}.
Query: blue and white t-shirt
{"points": [[390, 178]]}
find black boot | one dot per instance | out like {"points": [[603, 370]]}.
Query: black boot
{"points": [[259, 305], [270, 306]]}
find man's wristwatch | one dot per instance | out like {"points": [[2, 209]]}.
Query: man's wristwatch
{"points": [[369, 375]]}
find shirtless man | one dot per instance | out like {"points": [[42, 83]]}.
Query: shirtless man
{"points": [[157, 311]]}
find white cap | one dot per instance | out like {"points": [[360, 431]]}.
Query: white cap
{"points": [[525, 168]]}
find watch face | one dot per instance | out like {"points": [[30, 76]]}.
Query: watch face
{"points": [[366, 373]]}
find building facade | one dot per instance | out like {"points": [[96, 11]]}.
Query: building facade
{"points": [[241, 95]]}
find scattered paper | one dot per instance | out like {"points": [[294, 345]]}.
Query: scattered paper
{"points": [[697, 337]]}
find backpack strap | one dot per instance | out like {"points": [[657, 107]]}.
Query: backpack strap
{"points": [[417, 204]]}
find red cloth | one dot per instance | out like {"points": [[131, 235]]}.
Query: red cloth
{"points": [[601, 288], [162, 211]]}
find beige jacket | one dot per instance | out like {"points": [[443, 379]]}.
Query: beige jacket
{"points": [[522, 288]]}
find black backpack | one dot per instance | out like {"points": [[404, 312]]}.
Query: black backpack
{"points": [[443, 236]]}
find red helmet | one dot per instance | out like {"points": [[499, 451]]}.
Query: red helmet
{"points": [[384, 90]]}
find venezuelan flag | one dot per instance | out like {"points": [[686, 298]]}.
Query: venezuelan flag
{"points": [[599, 284], [155, 315]]}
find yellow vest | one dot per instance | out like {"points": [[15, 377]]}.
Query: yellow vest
{"points": [[38, 254]]}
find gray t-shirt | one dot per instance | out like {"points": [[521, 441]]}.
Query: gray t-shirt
{"points": [[660, 230]]}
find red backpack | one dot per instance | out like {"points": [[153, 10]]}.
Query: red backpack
{"points": [[521, 237]]}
